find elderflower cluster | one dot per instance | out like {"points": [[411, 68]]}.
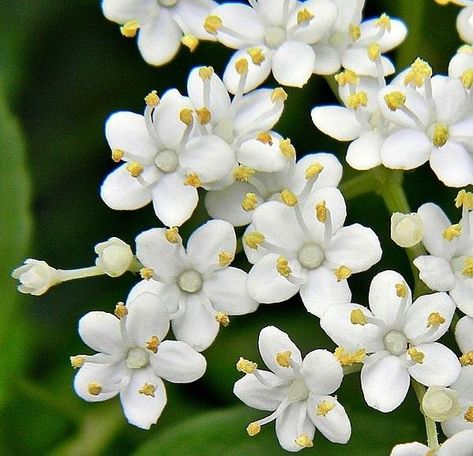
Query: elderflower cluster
{"points": [[285, 217]]}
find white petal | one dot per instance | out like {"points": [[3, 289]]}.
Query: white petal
{"points": [[459, 63], [449, 97], [292, 422], [406, 149], [262, 157], [168, 293], [464, 334], [435, 272], [410, 449], [453, 164], [464, 27], [385, 383], [338, 122], [142, 410], [327, 60], [460, 444], [357, 60], [321, 371], [462, 295], [193, 13], [101, 332], [274, 11], [364, 152], [393, 37], [122, 11], [329, 177]]}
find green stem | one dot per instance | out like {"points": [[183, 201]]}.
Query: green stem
{"points": [[358, 185], [430, 425]]}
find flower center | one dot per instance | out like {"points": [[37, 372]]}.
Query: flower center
{"points": [[395, 342], [137, 358], [274, 36], [439, 135], [167, 161], [167, 2], [190, 281], [310, 256], [224, 130], [298, 391]]}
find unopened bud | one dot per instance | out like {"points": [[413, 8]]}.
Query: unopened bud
{"points": [[406, 229]]}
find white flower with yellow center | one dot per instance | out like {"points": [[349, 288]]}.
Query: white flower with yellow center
{"points": [[449, 267], [400, 338], [461, 65], [197, 284], [161, 25], [272, 35], [166, 158], [133, 359], [301, 245], [297, 391]]}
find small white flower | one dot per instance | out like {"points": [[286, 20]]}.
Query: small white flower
{"points": [[440, 403], [461, 64], [36, 277], [297, 391], [133, 358], [406, 229], [114, 256], [465, 21], [400, 336]]}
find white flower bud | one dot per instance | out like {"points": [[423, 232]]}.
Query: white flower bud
{"points": [[406, 229], [440, 403], [35, 277], [114, 256]]}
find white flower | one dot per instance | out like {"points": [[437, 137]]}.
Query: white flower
{"points": [[465, 21], [399, 335], [449, 267], [133, 358], [406, 229], [199, 288], [163, 162], [297, 391], [36, 277], [302, 245], [273, 35], [440, 403], [161, 24], [114, 256], [461, 64], [460, 444]]}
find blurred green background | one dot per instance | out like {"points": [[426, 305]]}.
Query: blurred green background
{"points": [[63, 69]]}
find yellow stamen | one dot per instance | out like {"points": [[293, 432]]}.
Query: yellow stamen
{"points": [[77, 361], [452, 232], [172, 235], [94, 388], [248, 367], [467, 359], [253, 429], [395, 100], [286, 148], [313, 170], [440, 135], [249, 202], [374, 51], [342, 273], [265, 138], [185, 116], [469, 415], [257, 55], [135, 168], [241, 66], [117, 155], [120, 310], [304, 442], [190, 42], [224, 258], [278, 94], [348, 359], [146, 273], [324, 407], [435, 319], [304, 16], [193, 180], [357, 317], [467, 79], [384, 22], [420, 71], [416, 355], [289, 198], [282, 358], [130, 29], [152, 344], [254, 239], [204, 115], [357, 100], [401, 290], [355, 32], [212, 24], [321, 211], [465, 199], [283, 267], [206, 73], [347, 77], [152, 99], [243, 173], [222, 318], [147, 390], [468, 269]]}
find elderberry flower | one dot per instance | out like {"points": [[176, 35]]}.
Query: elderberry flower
{"points": [[133, 359], [461, 66], [406, 229], [400, 338], [297, 391], [36, 277], [465, 21], [114, 256], [161, 25]]}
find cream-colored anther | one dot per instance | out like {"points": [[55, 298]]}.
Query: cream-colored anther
{"points": [[243, 173], [452, 232], [120, 310], [152, 344], [384, 22], [324, 407], [246, 366], [185, 116], [357, 100], [222, 318], [468, 416], [206, 73], [249, 202], [254, 239], [224, 258], [321, 211], [212, 24], [467, 79], [135, 168], [416, 355], [146, 273], [395, 100], [190, 42], [348, 359], [204, 115], [440, 135], [172, 235], [278, 94], [355, 32], [129, 29], [282, 266], [289, 198], [147, 390], [241, 66], [467, 359], [420, 71], [401, 290], [193, 180], [468, 267], [253, 428], [77, 361], [374, 51], [117, 155], [287, 149], [256, 54], [283, 358], [313, 170], [464, 199], [342, 273], [152, 100], [357, 317], [304, 442], [94, 388], [265, 138], [304, 16], [347, 77], [435, 319]]}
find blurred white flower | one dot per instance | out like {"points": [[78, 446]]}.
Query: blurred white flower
{"points": [[114, 256]]}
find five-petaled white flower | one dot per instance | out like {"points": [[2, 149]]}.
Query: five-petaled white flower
{"points": [[297, 391]]}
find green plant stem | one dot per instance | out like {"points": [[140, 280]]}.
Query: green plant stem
{"points": [[430, 425]]}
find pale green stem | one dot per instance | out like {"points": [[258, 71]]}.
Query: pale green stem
{"points": [[358, 185], [430, 425], [82, 273]]}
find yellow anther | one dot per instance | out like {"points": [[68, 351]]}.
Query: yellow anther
{"points": [[190, 41], [152, 99], [348, 359], [347, 77], [354, 31], [452, 232], [77, 361], [357, 317], [395, 100], [222, 318], [374, 51], [248, 367], [283, 267], [324, 407], [435, 319], [416, 355], [193, 180], [172, 235], [94, 388], [468, 268], [117, 155], [120, 310], [206, 73], [342, 273], [321, 211], [467, 78], [257, 55], [243, 173], [130, 29], [289, 198], [313, 170], [420, 71], [265, 138], [212, 24], [241, 66], [469, 415], [135, 168], [440, 135], [249, 202], [278, 94], [224, 258], [147, 390], [283, 358], [253, 428], [467, 359], [304, 442], [401, 290], [357, 100], [185, 116], [204, 115], [384, 22], [254, 239], [146, 273], [465, 199], [152, 344], [304, 16], [442, 2], [286, 148]]}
